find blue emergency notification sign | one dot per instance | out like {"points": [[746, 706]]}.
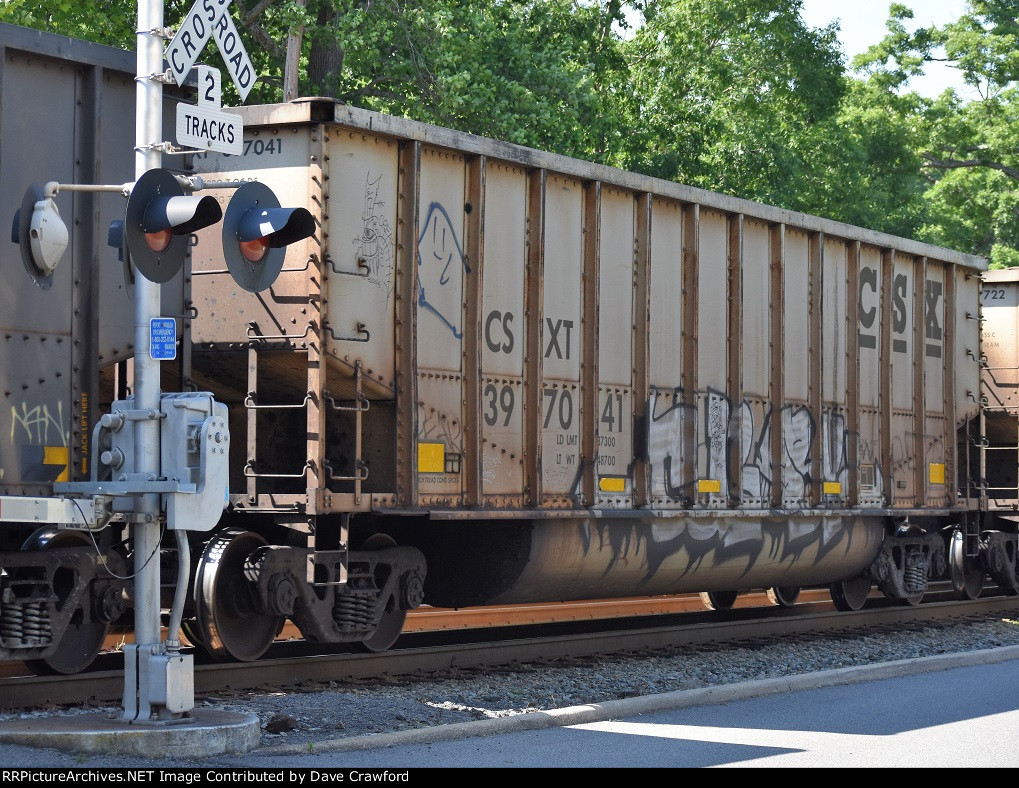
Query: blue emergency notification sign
{"points": [[162, 339]]}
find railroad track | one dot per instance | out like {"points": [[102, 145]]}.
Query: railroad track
{"points": [[433, 650]]}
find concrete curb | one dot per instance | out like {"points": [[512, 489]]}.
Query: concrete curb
{"points": [[627, 707], [209, 733]]}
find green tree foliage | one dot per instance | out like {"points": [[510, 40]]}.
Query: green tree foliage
{"points": [[968, 149], [863, 167], [736, 96], [730, 95], [525, 71], [112, 24]]}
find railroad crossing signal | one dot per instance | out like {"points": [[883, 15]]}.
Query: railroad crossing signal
{"points": [[256, 231], [210, 19], [159, 222]]}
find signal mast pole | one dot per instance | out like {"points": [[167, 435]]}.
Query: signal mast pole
{"points": [[146, 389]]}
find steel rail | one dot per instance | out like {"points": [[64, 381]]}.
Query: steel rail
{"points": [[421, 654]]}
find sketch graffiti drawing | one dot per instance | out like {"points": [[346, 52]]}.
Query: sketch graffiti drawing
{"points": [[717, 411], [375, 243]]}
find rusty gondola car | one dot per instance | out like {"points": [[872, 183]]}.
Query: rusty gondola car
{"points": [[498, 375]]}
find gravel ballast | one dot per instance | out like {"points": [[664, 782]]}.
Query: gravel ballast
{"points": [[318, 713]]}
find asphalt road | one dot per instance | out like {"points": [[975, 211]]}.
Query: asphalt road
{"points": [[956, 711]]}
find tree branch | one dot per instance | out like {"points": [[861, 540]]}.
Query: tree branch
{"points": [[955, 164]]}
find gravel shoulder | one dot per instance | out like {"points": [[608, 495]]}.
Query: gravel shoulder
{"points": [[321, 715]]}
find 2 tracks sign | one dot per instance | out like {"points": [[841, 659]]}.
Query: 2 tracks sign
{"points": [[206, 126]]}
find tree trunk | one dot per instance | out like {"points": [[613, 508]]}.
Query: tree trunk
{"points": [[325, 59], [292, 68]]}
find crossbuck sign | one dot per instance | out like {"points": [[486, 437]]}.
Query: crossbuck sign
{"points": [[205, 20]]}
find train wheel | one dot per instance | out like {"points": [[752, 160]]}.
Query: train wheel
{"points": [[81, 642], [719, 600], [913, 599], [783, 596], [228, 622], [391, 623], [968, 584], [850, 594]]}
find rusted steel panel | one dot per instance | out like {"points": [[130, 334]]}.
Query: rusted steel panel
{"points": [[688, 382], [503, 333], [441, 271], [734, 373], [408, 213], [533, 313], [776, 395], [836, 362], [798, 420], [589, 372], [755, 405], [362, 230], [815, 356], [871, 469], [713, 409], [665, 411], [905, 355], [561, 349], [473, 254], [641, 356], [963, 348], [229, 315], [613, 415], [853, 309], [996, 466]]}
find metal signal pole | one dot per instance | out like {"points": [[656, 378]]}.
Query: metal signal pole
{"points": [[145, 531]]}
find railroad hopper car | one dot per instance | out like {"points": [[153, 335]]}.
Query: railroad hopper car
{"points": [[561, 381], [499, 375]]}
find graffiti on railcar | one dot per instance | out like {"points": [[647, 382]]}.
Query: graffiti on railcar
{"points": [[835, 447], [871, 477], [668, 416], [440, 256], [755, 447], [715, 440], [41, 438], [716, 542], [798, 431], [716, 444], [375, 243]]}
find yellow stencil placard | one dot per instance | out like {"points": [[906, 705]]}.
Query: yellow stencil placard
{"points": [[936, 473], [431, 457], [709, 485], [833, 488], [612, 484], [57, 455]]}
